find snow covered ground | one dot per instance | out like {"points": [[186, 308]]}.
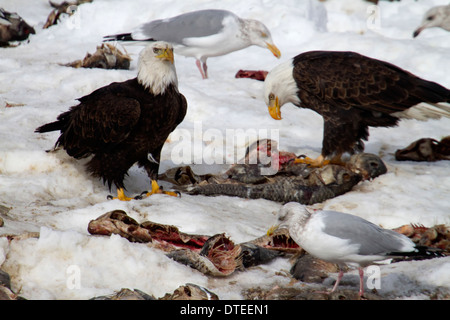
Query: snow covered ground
{"points": [[51, 194]]}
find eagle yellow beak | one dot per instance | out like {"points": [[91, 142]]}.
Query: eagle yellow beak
{"points": [[274, 109], [273, 48], [167, 54]]}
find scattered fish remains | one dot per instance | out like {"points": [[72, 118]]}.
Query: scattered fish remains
{"points": [[65, 8], [215, 255], [425, 149], [197, 251], [259, 75], [6, 292], [13, 28], [189, 291], [219, 256], [437, 236], [293, 182], [307, 268], [126, 294], [106, 57], [164, 237]]}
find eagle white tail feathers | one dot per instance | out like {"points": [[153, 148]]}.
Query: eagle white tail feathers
{"points": [[425, 111]]}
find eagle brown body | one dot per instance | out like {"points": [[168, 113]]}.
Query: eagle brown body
{"points": [[119, 125], [351, 92]]}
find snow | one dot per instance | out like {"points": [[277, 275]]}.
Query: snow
{"points": [[50, 193]]}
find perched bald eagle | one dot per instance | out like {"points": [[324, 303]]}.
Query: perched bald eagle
{"points": [[125, 122], [351, 92]]}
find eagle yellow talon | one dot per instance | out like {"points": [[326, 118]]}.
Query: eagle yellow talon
{"points": [[157, 189], [121, 196], [172, 193], [318, 162]]}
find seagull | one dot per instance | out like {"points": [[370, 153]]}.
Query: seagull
{"points": [[435, 17], [203, 34], [345, 239]]}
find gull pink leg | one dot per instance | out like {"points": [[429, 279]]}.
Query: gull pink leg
{"points": [[340, 275], [198, 63], [361, 282]]}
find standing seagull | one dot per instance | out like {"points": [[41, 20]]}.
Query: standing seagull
{"points": [[435, 17], [203, 34], [125, 122], [351, 92], [345, 239]]}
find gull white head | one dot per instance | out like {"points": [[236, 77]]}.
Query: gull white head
{"points": [[435, 17], [292, 211], [258, 35], [280, 88], [156, 69]]}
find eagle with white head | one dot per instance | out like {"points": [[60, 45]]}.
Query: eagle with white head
{"points": [[127, 122]]}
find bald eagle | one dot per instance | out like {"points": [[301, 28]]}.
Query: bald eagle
{"points": [[351, 92], [126, 122]]}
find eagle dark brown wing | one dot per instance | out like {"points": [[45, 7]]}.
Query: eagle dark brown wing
{"points": [[119, 124], [353, 92], [102, 119], [348, 79]]}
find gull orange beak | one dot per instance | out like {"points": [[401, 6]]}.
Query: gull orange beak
{"points": [[274, 109], [273, 48], [166, 55]]}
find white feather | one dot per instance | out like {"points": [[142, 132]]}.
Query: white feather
{"points": [[153, 73], [425, 111], [280, 82]]}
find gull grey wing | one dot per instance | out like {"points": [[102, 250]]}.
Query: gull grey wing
{"points": [[193, 24], [372, 239]]}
